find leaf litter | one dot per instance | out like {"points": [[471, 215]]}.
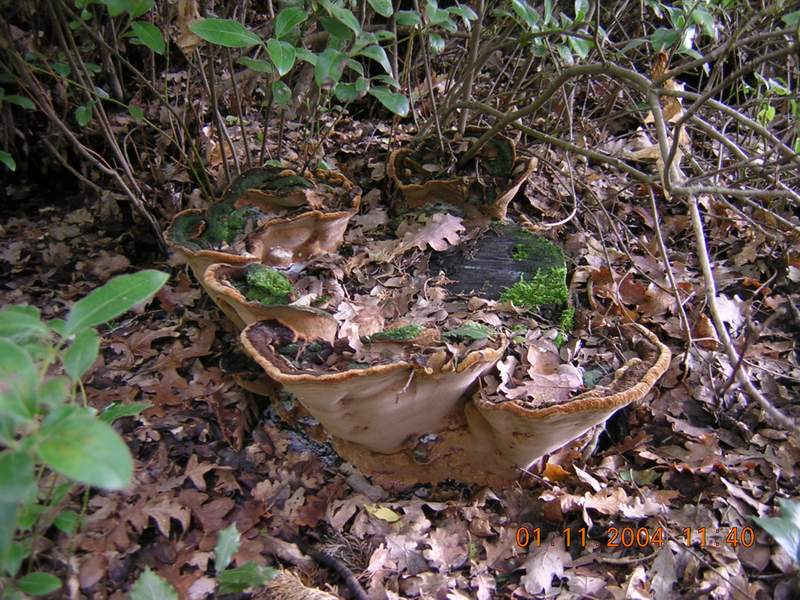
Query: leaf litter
{"points": [[693, 457]]}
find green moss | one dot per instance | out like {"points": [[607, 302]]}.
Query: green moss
{"points": [[266, 285], [322, 300], [567, 320], [395, 334], [185, 232], [534, 247], [264, 178], [521, 252], [221, 224], [545, 287], [225, 224]]}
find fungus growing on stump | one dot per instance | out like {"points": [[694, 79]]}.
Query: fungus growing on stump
{"points": [[268, 215]]}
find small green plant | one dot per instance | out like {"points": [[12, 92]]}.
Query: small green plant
{"points": [[51, 439], [689, 20], [231, 581]]}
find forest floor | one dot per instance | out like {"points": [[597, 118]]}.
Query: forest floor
{"points": [[661, 509]]}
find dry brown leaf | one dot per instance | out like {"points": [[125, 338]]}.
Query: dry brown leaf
{"points": [[163, 511], [187, 13], [543, 563], [448, 551], [440, 231]]}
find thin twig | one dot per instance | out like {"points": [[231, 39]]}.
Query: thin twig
{"points": [[668, 269], [722, 332]]}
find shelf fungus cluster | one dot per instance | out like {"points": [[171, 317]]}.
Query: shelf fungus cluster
{"points": [[424, 341]]}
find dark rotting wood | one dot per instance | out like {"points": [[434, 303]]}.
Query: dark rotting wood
{"points": [[489, 265]]}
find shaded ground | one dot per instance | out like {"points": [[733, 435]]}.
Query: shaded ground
{"points": [[659, 509]]}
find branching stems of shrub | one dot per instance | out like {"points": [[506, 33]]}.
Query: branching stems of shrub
{"points": [[559, 143], [429, 80], [662, 247], [469, 66], [208, 84], [267, 111], [708, 94], [41, 99], [711, 297]]}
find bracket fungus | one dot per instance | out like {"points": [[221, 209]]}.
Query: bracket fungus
{"points": [[394, 383], [490, 181], [269, 215], [228, 285], [426, 349], [491, 441], [521, 431], [381, 404]]}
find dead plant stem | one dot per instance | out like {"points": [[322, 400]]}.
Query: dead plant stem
{"points": [[711, 297]]}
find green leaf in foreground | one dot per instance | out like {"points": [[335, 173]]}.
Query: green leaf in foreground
{"points": [[17, 479], [282, 94], [8, 160], [38, 583], [282, 55], [248, 575], [116, 297], [225, 32], [288, 19], [150, 586], [149, 35], [21, 323], [227, 546], [19, 376], [786, 528], [382, 7], [85, 449], [397, 103], [81, 354]]}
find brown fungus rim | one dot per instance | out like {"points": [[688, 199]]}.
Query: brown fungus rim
{"points": [[597, 399], [471, 359]]}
